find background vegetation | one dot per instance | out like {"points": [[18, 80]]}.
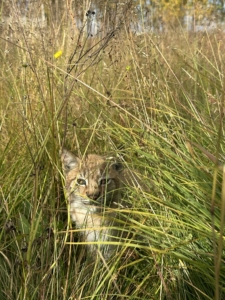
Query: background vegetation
{"points": [[152, 98]]}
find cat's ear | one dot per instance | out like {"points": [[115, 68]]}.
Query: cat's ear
{"points": [[118, 166], [69, 160]]}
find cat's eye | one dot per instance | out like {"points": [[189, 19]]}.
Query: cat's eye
{"points": [[105, 181], [81, 181]]}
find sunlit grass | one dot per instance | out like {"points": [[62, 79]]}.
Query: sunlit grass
{"points": [[147, 99]]}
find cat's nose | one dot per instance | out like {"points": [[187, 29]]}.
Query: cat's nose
{"points": [[93, 196]]}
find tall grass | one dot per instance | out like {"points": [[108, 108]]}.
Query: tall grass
{"points": [[147, 98]]}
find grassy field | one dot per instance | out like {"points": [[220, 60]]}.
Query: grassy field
{"points": [[151, 99]]}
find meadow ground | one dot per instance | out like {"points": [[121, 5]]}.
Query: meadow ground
{"points": [[153, 100]]}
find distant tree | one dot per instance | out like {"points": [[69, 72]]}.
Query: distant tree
{"points": [[178, 11]]}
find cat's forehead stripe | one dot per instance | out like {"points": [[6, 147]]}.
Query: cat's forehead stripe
{"points": [[87, 171]]}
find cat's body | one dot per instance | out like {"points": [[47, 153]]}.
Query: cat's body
{"points": [[93, 186]]}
